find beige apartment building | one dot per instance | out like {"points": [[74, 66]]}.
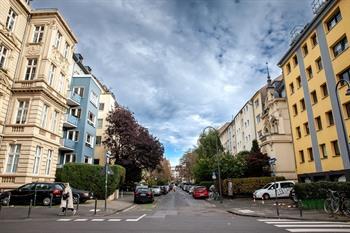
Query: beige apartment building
{"points": [[36, 67]]}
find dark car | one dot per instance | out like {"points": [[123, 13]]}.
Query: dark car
{"points": [[40, 193], [163, 190], [82, 194], [143, 195]]}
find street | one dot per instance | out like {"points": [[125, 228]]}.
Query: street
{"points": [[174, 212]]}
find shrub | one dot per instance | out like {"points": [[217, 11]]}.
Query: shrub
{"points": [[89, 177], [246, 186], [318, 190], [206, 183]]}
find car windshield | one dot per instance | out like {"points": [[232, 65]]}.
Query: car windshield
{"points": [[266, 186], [142, 190]]}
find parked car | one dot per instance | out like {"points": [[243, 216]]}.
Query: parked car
{"points": [[200, 192], [156, 190], [163, 189], [190, 191], [40, 191], [143, 195], [284, 189], [82, 194]]}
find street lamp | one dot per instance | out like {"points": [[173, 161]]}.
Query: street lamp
{"points": [[343, 81], [217, 154], [107, 172]]}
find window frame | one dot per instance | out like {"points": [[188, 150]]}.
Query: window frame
{"points": [[31, 68], [336, 17], [48, 162], [37, 160], [38, 35], [11, 20], [343, 46], [13, 156], [3, 55]]}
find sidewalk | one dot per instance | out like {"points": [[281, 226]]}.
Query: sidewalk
{"points": [[85, 210], [267, 209]]}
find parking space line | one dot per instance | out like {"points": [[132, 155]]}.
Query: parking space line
{"points": [[114, 220], [131, 207], [64, 220], [81, 220], [135, 219], [97, 220]]}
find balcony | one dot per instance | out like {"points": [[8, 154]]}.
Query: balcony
{"points": [[70, 121], [73, 99], [67, 145]]}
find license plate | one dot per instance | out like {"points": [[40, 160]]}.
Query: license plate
{"points": [[142, 195]]}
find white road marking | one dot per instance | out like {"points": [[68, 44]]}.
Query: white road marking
{"points": [[303, 222], [63, 220], [97, 220], [273, 219], [326, 225], [135, 219], [114, 220], [97, 210], [246, 211], [81, 220], [332, 230], [131, 207]]}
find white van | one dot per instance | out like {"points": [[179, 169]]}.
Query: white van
{"points": [[268, 191]]}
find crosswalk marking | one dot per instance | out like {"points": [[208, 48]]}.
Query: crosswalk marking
{"points": [[330, 230]]}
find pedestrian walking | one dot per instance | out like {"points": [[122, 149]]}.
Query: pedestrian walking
{"points": [[67, 199]]}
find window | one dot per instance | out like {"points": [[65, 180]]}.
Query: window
{"points": [[288, 68], [11, 19], [295, 60], [324, 151], [287, 185], [48, 162], [318, 123], [79, 91], [335, 146], [291, 87], [319, 64], [37, 157], [339, 47], [311, 155], [31, 69], [54, 121], [302, 157], [302, 104], [73, 135], [38, 33], [334, 20], [298, 132], [91, 119], [314, 40], [87, 159], [256, 102], [330, 118], [60, 83], [344, 75], [309, 72], [305, 50], [258, 118], [13, 157], [324, 90], [66, 50], [99, 123], [51, 74], [89, 141], [314, 97], [101, 107], [98, 140], [3, 52], [44, 116], [295, 109], [347, 109], [67, 158], [306, 128], [58, 40], [94, 98], [75, 112], [298, 82], [22, 112]]}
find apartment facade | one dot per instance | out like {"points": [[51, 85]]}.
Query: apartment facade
{"points": [[316, 60], [39, 62]]}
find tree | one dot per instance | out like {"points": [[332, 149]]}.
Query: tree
{"points": [[187, 162], [255, 147], [209, 144], [232, 167]]}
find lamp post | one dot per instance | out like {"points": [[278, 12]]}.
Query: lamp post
{"points": [[343, 81], [217, 154], [106, 170], [272, 163]]}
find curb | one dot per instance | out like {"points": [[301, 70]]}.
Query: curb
{"points": [[284, 217], [114, 211]]}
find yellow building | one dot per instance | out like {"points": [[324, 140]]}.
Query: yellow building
{"points": [[37, 69], [317, 58]]}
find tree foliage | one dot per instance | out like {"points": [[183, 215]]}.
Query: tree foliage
{"points": [[187, 162], [209, 144]]}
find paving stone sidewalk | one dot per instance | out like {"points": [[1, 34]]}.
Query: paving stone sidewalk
{"points": [[84, 210], [267, 209]]}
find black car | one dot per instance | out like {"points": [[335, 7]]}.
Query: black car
{"points": [[163, 190], [82, 194], [143, 195], [39, 192]]}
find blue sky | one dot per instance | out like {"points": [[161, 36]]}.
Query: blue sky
{"points": [[181, 65]]}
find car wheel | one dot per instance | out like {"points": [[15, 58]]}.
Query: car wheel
{"points": [[75, 200], [266, 196], [5, 201], [46, 201]]}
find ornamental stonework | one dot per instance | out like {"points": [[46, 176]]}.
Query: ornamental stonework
{"points": [[33, 50]]}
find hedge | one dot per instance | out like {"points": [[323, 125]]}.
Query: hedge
{"points": [[89, 177], [246, 186], [318, 190]]}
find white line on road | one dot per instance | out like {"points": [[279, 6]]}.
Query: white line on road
{"points": [[97, 220], [135, 219], [303, 222], [81, 220], [63, 220], [333, 230], [326, 225], [273, 219], [131, 207], [114, 220], [97, 210], [246, 211]]}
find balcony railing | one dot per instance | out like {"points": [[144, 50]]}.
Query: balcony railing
{"points": [[73, 98], [70, 121], [67, 144]]}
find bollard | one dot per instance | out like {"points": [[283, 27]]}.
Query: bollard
{"points": [[78, 200], [95, 205], [51, 197], [65, 211], [9, 199], [300, 205], [30, 208], [262, 201]]}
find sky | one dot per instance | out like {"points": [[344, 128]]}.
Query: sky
{"points": [[182, 65]]}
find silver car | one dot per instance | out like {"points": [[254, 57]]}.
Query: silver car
{"points": [[156, 190]]}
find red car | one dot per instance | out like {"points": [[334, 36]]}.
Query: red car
{"points": [[200, 192]]}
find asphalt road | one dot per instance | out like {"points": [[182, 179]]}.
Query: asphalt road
{"points": [[175, 212]]}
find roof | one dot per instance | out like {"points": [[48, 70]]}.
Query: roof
{"points": [[222, 129]]}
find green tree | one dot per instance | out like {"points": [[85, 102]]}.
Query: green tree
{"points": [[209, 144], [255, 147], [232, 167], [203, 169]]}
